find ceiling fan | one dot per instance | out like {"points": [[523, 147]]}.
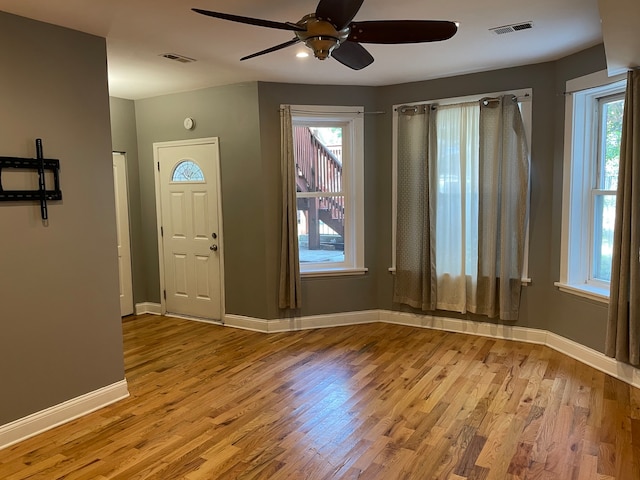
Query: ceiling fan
{"points": [[330, 32]]}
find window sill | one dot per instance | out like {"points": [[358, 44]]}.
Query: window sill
{"points": [[334, 272], [586, 291]]}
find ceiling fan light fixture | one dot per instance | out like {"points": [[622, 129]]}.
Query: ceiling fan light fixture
{"points": [[322, 46], [320, 36]]}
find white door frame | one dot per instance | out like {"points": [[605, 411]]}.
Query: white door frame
{"points": [[216, 167], [121, 187]]}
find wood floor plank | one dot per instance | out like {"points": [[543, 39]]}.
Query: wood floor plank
{"points": [[367, 401]]}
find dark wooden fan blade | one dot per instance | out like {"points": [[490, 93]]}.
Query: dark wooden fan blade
{"points": [[272, 49], [338, 12], [352, 55], [402, 31], [251, 21]]}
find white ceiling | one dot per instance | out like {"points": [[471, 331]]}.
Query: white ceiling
{"points": [[138, 31]]}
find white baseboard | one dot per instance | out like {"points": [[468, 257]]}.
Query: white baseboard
{"points": [[49, 418], [507, 332], [194, 319], [595, 359], [148, 307], [586, 355], [301, 323]]}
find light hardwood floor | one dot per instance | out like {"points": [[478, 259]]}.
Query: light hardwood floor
{"points": [[369, 401]]}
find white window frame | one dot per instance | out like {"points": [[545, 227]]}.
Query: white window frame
{"points": [[525, 100], [351, 119], [579, 172]]}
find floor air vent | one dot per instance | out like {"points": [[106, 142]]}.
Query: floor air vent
{"points": [[516, 27]]}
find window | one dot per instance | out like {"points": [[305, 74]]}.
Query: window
{"points": [[463, 167], [187, 171], [329, 155], [457, 192], [459, 177], [603, 192], [593, 130]]}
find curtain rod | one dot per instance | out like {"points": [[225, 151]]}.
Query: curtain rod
{"points": [[327, 112], [487, 100], [415, 108], [434, 106]]}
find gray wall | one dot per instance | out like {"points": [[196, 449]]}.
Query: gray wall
{"points": [[543, 306], [319, 295], [579, 319], [541, 79], [61, 335], [230, 113], [246, 119], [124, 139]]}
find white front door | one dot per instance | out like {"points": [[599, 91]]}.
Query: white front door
{"points": [[122, 229], [188, 177]]}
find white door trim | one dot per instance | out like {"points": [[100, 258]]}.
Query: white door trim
{"points": [[121, 187], [216, 167]]}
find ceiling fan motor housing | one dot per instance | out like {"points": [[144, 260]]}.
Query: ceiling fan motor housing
{"points": [[321, 36]]}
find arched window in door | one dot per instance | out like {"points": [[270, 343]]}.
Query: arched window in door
{"points": [[187, 171]]}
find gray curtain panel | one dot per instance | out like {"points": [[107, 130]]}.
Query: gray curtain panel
{"points": [[289, 288], [623, 325], [415, 278], [502, 211]]}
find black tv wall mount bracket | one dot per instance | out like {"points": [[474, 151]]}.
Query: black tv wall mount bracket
{"points": [[41, 165]]}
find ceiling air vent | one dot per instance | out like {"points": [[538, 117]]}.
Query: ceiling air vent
{"points": [[178, 58], [516, 27]]}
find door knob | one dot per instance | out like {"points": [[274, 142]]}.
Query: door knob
{"points": [[213, 247]]}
